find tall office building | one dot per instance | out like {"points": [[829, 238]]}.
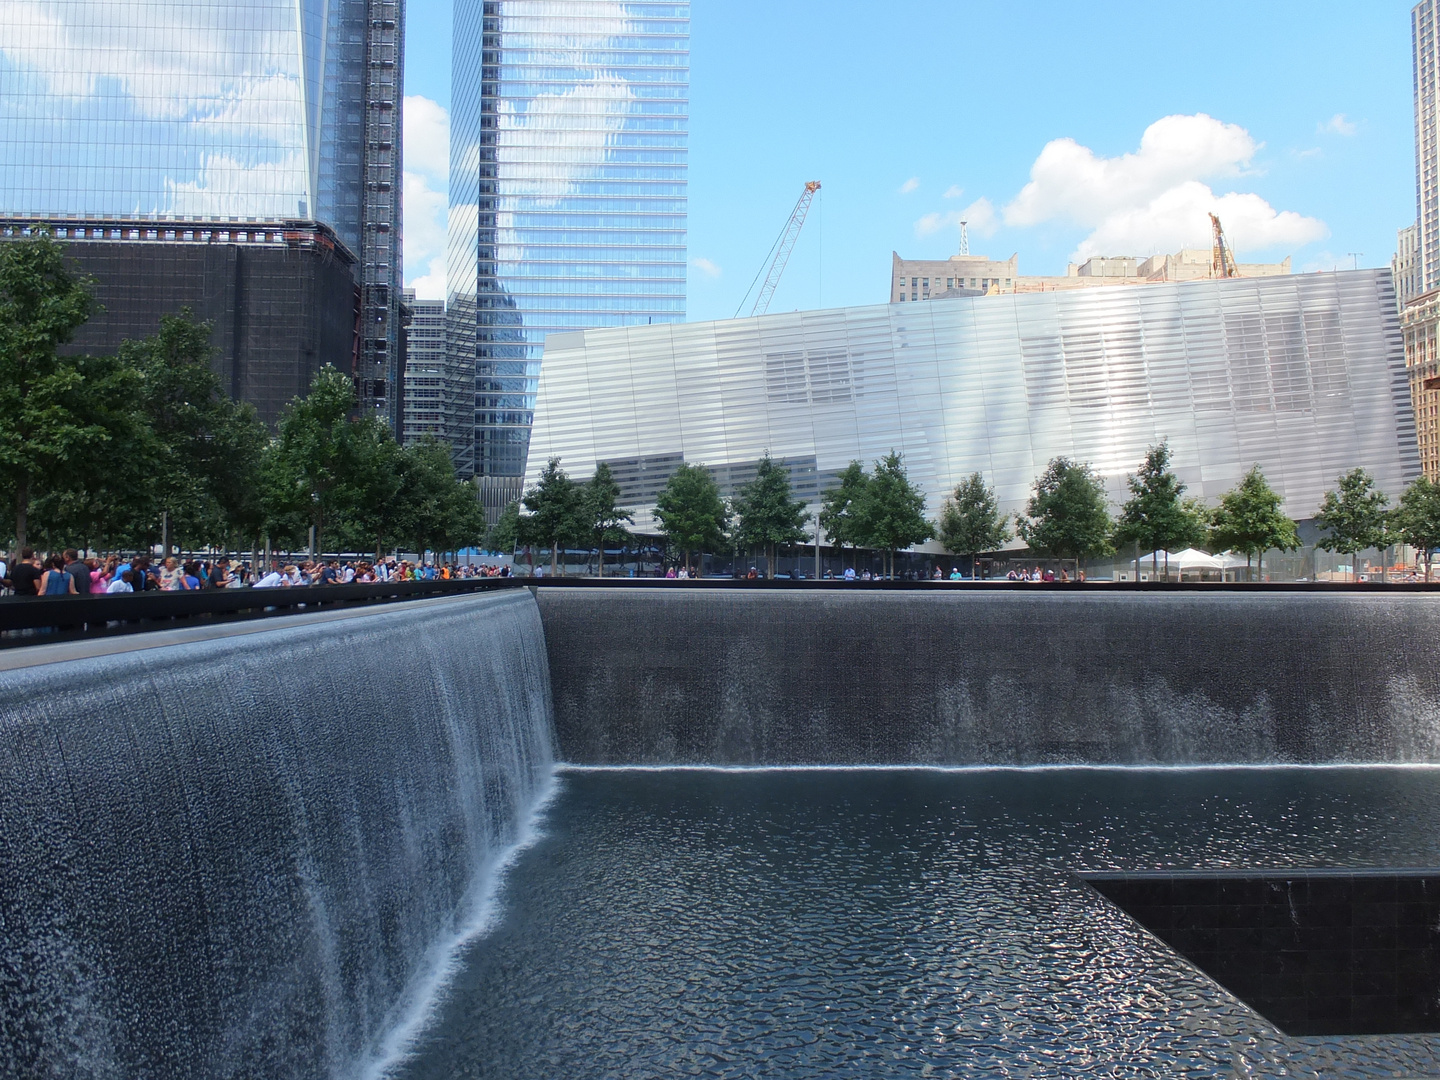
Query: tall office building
{"points": [[1426, 57], [217, 117], [567, 195]]}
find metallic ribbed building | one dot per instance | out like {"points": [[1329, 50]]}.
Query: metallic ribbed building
{"points": [[1303, 375], [221, 113], [569, 122]]}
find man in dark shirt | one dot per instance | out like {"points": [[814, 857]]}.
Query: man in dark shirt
{"points": [[25, 576], [220, 573], [79, 571], [330, 574]]}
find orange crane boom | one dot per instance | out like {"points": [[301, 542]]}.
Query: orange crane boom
{"points": [[780, 250], [1222, 259]]}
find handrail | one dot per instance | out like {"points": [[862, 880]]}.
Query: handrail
{"points": [[42, 620]]}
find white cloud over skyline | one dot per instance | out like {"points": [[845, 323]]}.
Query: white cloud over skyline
{"points": [[909, 185], [706, 266], [426, 193], [1155, 199]]}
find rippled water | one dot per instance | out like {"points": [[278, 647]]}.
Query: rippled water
{"points": [[900, 923]]}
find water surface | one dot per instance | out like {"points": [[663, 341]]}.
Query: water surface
{"points": [[900, 923]]}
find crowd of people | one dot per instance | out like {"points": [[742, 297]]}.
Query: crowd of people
{"points": [[68, 573]]}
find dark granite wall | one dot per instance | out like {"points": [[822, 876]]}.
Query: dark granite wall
{"points": [[1316, 952], [757, 677]]}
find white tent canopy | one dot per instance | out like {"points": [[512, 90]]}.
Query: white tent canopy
{"points": [[1189, 559], [1193, 559]]}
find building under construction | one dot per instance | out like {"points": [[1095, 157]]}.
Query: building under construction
{"points": [[970, 275]]}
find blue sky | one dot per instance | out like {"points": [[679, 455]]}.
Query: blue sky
{"points": [[1295, 119]]}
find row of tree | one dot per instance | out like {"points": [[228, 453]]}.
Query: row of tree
{"points": [[1067, 516], [145, 447]]}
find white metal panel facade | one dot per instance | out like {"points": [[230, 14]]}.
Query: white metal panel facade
{"points": [[1303, 375]]}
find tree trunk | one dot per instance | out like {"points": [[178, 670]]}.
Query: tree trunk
{"points": [[22, 511], [554, 557], [600, 545]]}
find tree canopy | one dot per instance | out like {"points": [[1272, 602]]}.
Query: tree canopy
{"points": [[1249, 519], [766, 514], [891, 511], [1416, 520], [1067, 515], [555, 511], [51, 416], [970, 520], [692, 515], [1354, 515], [840, 507], [1156, 517], [603, 515]]}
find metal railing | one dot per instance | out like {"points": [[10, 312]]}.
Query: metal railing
{"points": [[42, 620]]}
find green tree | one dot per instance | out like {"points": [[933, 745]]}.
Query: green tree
{"points": [[891, 514], [1248, 519], [970, 520], [554, 506], [41, 433], [692, 515], [767, 516], [1067, 516], [840, 505], [106, 496], [313, 472], [206, 478], [604, 517], [505, 533], [1355, 516], [1416, 520], [1156, 517]]}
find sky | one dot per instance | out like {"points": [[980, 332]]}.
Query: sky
{"points": [[1057, 130]]}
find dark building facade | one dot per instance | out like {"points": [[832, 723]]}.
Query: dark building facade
{"points": [[171, 116], [282, 302]]}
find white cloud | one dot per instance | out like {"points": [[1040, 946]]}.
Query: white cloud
{"points": [[427, 174], [1338, 125], [706, 266], [1180, 218], [954, 191], [979, 216], [1154, 199], [426, 215], [427, 138], [909, 185], [224, 186]]}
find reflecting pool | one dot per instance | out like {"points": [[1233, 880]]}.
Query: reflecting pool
{"points": [[876, 923]]}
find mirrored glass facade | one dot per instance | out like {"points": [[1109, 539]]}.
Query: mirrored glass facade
{"points": [[567, 194], [215, 111], [1303, 375]]}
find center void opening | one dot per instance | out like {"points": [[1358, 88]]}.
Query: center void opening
{"points": [[1315, 952]]}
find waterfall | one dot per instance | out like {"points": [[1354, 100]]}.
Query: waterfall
{"points": [[245, 856], [1004, 678]]}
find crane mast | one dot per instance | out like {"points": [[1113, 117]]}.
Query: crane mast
{"points": [[782, 249], [1222, 259]]}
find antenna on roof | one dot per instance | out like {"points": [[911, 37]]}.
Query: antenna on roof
{"points": [[964, 238]]}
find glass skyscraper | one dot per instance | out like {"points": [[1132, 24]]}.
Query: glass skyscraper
{"points": [[567, 195], [216, 111]]}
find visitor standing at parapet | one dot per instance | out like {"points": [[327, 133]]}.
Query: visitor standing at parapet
{"points": [[25, 575]]}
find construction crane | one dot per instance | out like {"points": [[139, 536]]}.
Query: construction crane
{"points": [[780, 253], [1222, 259]]}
